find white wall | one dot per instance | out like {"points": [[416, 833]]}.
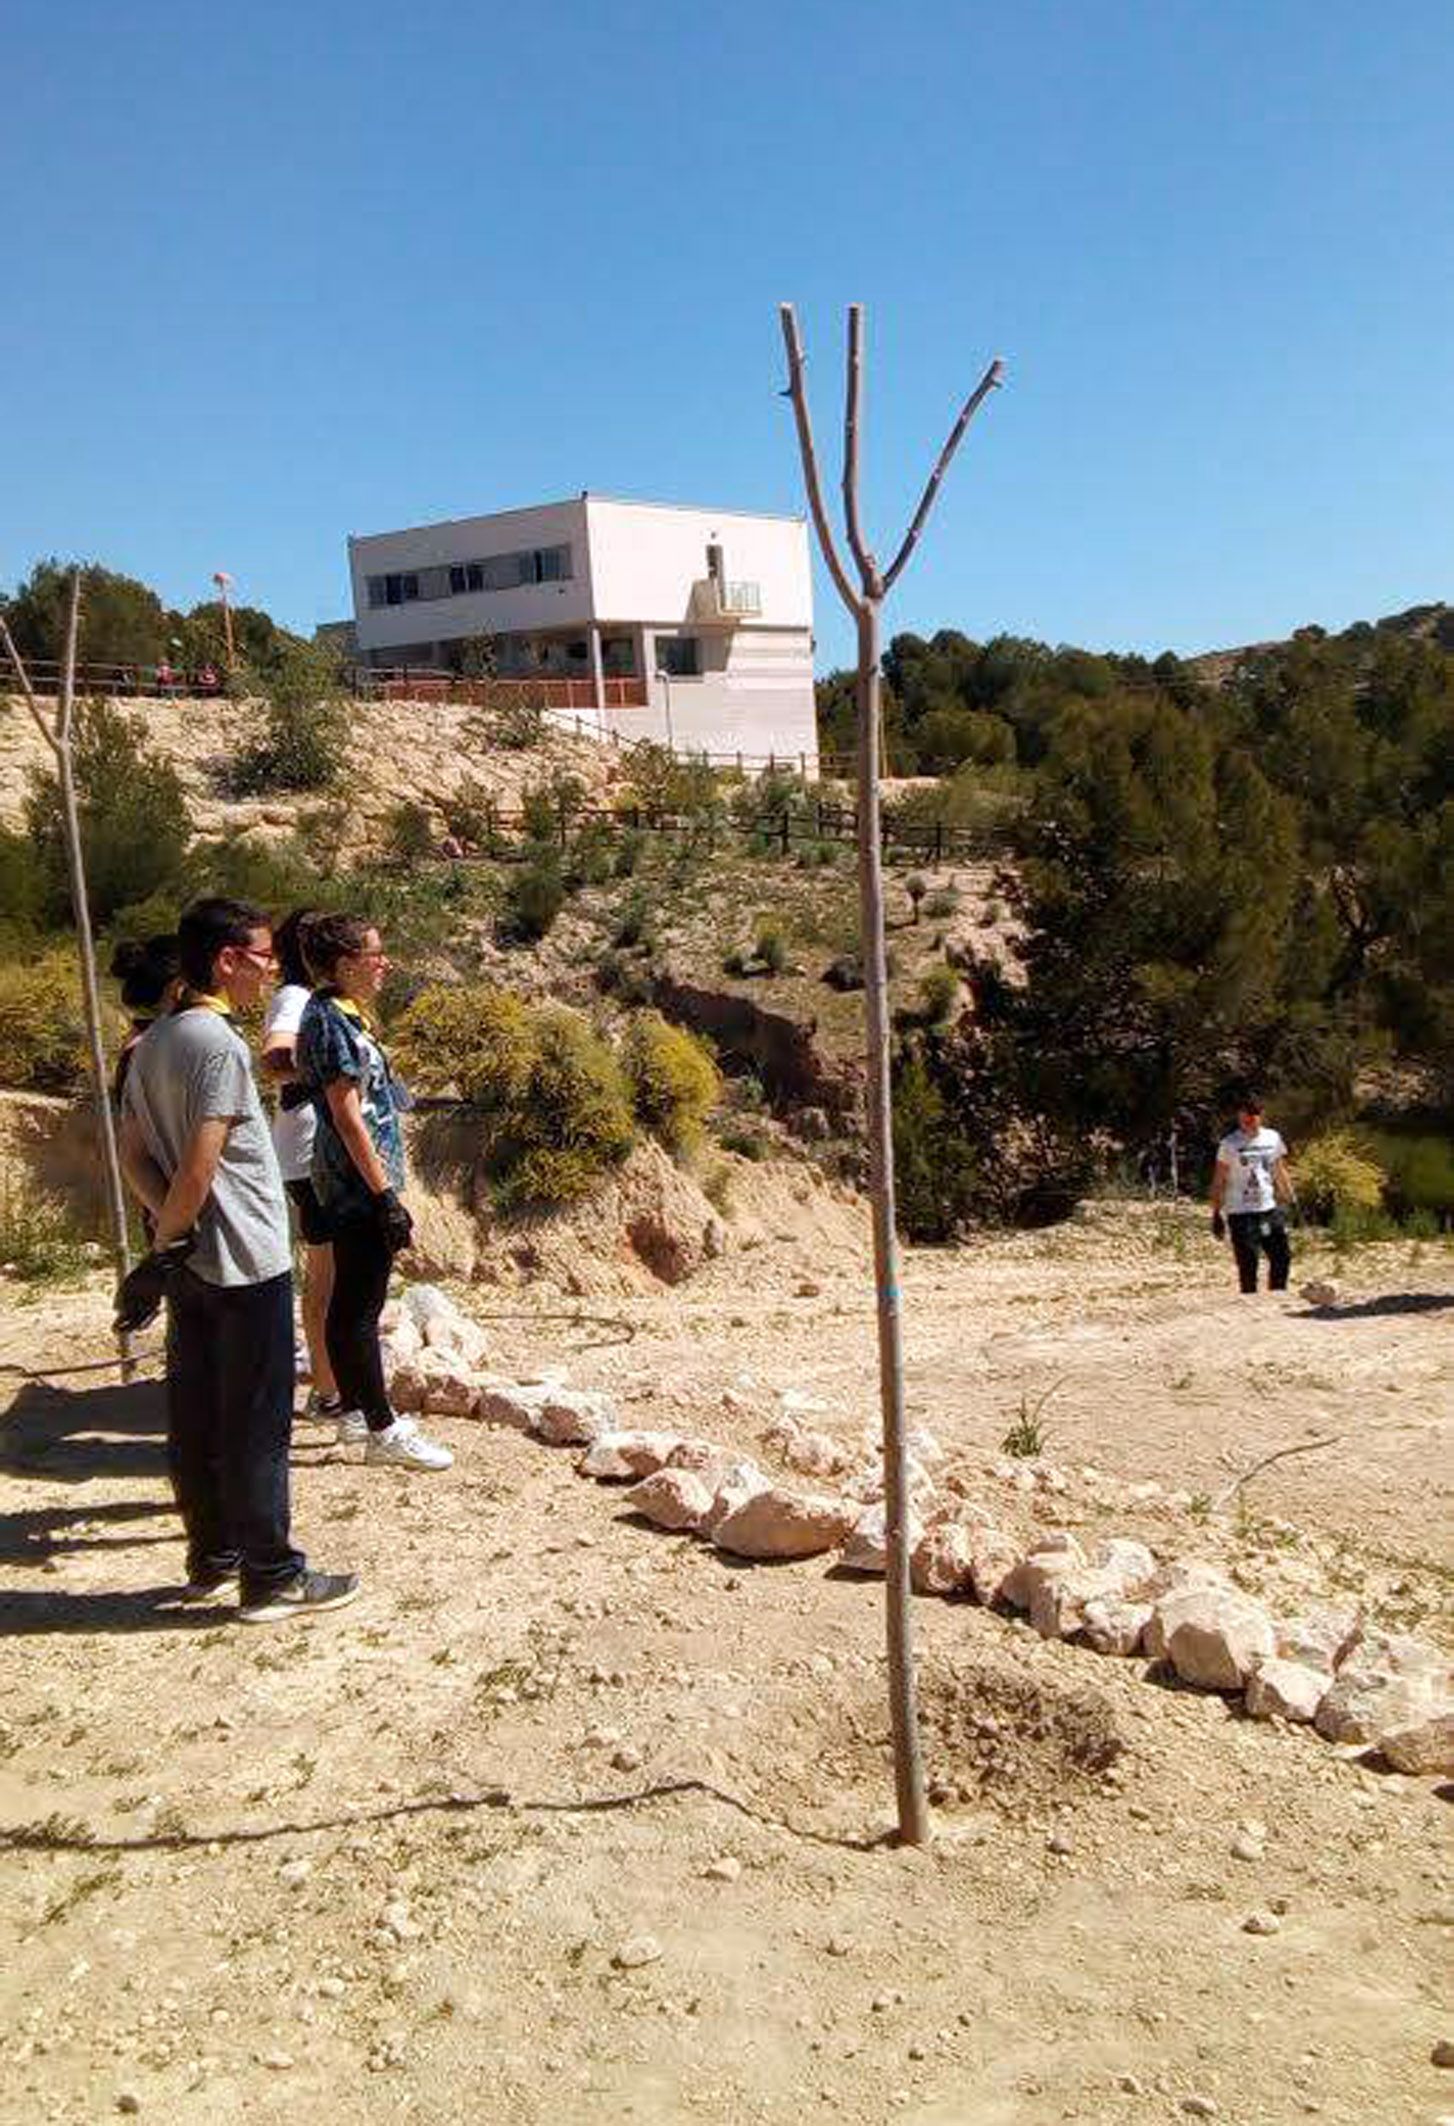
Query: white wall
{"points": [[646, 556], [529, 605]]}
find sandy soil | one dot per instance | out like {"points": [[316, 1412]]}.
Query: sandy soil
{"points": [[388, 1863]]}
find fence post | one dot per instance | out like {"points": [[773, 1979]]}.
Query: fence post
{"points": [[938, 841], [787, 829]]}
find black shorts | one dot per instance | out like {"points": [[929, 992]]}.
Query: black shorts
{"points": [[313, 1220]]}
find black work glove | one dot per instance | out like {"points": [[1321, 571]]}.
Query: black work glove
{"points": [[1219, 1226], [140, 1294], [395, 1223]]}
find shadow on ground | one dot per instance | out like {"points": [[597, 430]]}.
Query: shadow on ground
{"points": [[71, 1436], [1386, 1303]]}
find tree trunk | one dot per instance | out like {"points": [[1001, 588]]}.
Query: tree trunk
{"points": [[903, 1708]]}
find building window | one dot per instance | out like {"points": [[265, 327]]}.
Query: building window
{"points": [[679, 656], [457, 579]]}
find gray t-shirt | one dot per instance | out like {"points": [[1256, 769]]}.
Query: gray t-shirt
{"points": [[191, 1068]]}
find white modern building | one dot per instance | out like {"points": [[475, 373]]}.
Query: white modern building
{"points": [[693, 627]]}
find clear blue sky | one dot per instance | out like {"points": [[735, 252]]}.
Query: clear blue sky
{"points": [[278, 272]]}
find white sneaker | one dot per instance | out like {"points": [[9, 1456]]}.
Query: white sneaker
{"points": [[319, 1409], [353, 1428], [404, 1446]]}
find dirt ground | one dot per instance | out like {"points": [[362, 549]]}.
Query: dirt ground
{"points": [[401, 1861]]}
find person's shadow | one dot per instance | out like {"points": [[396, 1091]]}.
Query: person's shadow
{"points": [[56, 1435], [1385, 1303]]}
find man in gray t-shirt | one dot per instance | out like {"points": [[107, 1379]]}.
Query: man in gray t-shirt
{"points": [[197, 1152], [194, 1067]]}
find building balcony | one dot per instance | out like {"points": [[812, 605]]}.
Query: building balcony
{"points": [[718, 603]]}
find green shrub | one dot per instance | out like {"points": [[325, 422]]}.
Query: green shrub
{"points": [[42, 1028], [628, 851], [737, 962], [477, 1039], [942, 903], [22, 884], [409, 831], [304, 739], [938, 994], [134, 822], [551, 1101], [633, 924], [771, 946], [533, 900], [512, 716], [39, 1243], [674, 1081], [1333, 1174], [469, 814], [916, 886], [937, 1168], [1420, 1172], [592, 856]]}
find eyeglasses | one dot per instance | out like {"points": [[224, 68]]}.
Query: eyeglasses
{"points": [[380, 956], [258, 957]]}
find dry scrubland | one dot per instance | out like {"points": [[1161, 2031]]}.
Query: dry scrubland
{"points": [[426, 1858]]}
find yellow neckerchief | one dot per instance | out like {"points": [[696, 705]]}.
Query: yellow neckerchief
{"points": [[351, 1010], [202, 1000]]}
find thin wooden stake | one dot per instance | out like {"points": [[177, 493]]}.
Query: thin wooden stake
{"points": [[59, 740], [866, 605]]}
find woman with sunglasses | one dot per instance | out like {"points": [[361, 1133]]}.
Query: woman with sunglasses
{"points": [[357, 1173]]}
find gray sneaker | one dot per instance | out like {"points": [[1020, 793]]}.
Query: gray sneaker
{"points": [[302, 1596]]}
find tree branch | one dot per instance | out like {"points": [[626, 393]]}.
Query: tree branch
{"points": [[1302, 1446], [989, 382], [867, 566], [797, 393], [28, 691], [68, 666]]}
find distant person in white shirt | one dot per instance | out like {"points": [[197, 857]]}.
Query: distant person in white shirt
{"points": [[294, 1124], [1249, 1188]]}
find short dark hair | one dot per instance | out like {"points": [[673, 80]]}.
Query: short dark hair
{"points": [[288, 945], [327, 939], [145, 971], [206, 929], [1249, 1103]]}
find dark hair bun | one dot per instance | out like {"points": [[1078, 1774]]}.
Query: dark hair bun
{"points": [[128, 958]]}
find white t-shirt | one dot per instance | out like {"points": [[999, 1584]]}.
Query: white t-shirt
{"points": [[1249, 1157], [292, 1131]]}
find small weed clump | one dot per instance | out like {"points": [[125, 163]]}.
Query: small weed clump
{"points": [[942, 903], [1026, 1437], [38, 1241], [938, 994]]}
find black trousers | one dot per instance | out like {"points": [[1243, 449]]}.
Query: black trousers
{"points": [[362, 1261], [1255, 1233], [229, 1426]]}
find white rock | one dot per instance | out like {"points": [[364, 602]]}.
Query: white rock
{"points": [[403, 1342], [1130, 1563], [797, 1402], [1387, 1682], [672, 1498], [1114, 1625], [502, 1402], [294, 1873], [993, 1559], [784, 1524], [639, 1949], [1214, 1637], [423, 1303], [731, 1484], [1421, 1745], [1262, 1923], [699, 1454], [866, 1549], [726, 1868], [450, 1394], [1285, 1690], [1320, 1294], [458, 1337], [1047, 1557], [924, 1447], [814, 1454], [943, 1559], [574, 1417], [616, 1456], [406, 1388], [1321, 1637]]}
